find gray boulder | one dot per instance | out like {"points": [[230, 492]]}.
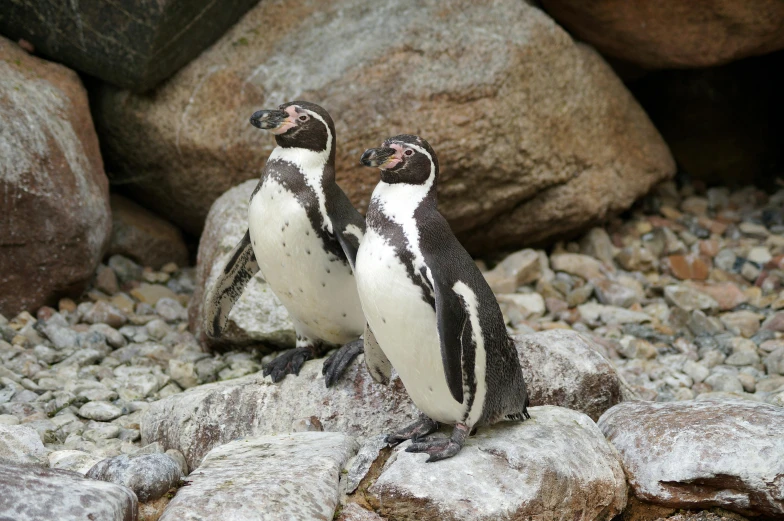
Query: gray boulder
{"points": [[21, 444], [268, 478], [700, 454], [148, 475], [129, 43], [556, 465]]}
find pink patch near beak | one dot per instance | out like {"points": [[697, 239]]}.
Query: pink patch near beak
{"points": [[290, 122], [394, 160]]}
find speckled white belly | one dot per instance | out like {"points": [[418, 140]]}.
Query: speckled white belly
{"points": [[405, 327], [317, 288]]}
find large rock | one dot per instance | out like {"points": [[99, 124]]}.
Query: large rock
{"points": [[141, 235], [206, 416], [35, 494], [561, 368], [258, 316], [547, 152], [672, 33], [268, 478], [698, 454], [129, 43], [21, 444], [55, 212], [557, 465]]}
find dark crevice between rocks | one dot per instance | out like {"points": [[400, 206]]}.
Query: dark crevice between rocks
{"points": [[362, 495]]}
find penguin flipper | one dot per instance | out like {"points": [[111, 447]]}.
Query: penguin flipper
{"points": [[348, 224], [242, 266], [452, 321], [376, 361]]}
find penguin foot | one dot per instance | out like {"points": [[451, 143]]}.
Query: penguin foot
{"points": [[417, 430], [337, 363], [441, 448], [289, 362]]}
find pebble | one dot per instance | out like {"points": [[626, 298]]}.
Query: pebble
{"points": [[100, 411]]}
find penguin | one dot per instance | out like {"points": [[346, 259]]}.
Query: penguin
{"points": [[434, 316], [303, 235]]}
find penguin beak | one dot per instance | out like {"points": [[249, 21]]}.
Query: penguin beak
{"points": [[378, 157], [273, 120]]}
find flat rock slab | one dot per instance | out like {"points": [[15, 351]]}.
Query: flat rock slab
{"points": [[267, 478], [556, 465], [203, 417], [561, 368], [699, 454], [34, 494], [564, 368], [21, 444]]}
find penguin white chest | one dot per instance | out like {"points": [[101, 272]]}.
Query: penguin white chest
{"points": [[316, 287], [405, 327]]}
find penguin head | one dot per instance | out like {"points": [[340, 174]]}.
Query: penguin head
{"points": [[403, 159], [298, 124]]}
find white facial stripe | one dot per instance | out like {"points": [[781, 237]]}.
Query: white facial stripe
{"points": [[355, 231], [311, 164], [471, 307]]}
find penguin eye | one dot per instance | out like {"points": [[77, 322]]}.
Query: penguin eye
{"points": [[409, 152], [304, 117]]}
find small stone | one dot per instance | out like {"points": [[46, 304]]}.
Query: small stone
{"points": [[157, 329], [596, 243], [105, 313], [748, 381], [73, 460], [106, 280], [518, 269], [696, 371], [744, 323], [774, 322], [125, 268], [122, 302], [66, 305], [184, 373], [727, 294], [170, 267], [689, 299], [750, 272], [774, 362], [8, 419], [578, 295], [152, 293], [97, 431], [526, 305], [688, 267], [759, 254], [636, 258], [575, 264], [770, 384], [179, 458], [754, 230], [170, 310], [100, 411], [615, 293], [724, 383], [712, 358]]}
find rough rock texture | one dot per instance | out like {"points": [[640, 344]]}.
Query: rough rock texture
{"points": [[21, 444], [129, 43], [206, 416], [35, 494], [692, 454], [267, 478], [148, 475], [548, 152], [672, 33], [557, 465], [55, 218], [354, 512], [143, 236], [258, 316], [564, 368]]}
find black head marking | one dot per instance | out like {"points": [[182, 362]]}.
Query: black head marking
{"points": [[404, 159]]}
